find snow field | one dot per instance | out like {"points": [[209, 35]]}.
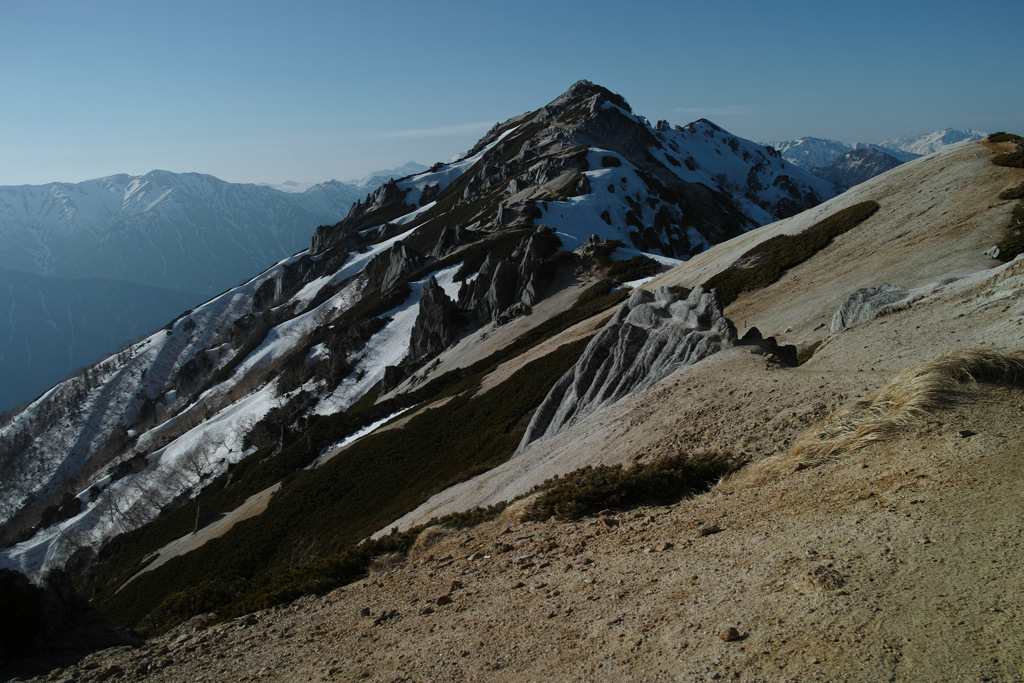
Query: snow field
{"points": [[387, 347]]}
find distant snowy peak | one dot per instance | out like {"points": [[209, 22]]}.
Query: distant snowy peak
{"points": [[375, 179], [190, 232], [809, 153], [932, 142]]}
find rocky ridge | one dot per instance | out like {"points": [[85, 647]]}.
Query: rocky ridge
{"points": [[831, 570], [488, 228]]}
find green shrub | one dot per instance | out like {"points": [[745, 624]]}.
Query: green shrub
{"points": [[634, 269], [661, 482], [1012, 246], [1003, 136], [768, 261], [1012, 159]]}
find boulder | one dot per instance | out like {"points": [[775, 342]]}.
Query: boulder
{"points": [[865, 304]]}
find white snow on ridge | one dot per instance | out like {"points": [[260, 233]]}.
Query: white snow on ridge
{"points": [[202, 453], [445, 175], [577, 218], [387, 347]]}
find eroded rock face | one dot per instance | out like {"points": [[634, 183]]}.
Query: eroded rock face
{"points": [[403, 261], [506, 288], [437, 324], [392, 266], [651, 336], [865, 304]]}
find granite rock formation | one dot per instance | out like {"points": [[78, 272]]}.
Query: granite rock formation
{"points": [[651, 336]]}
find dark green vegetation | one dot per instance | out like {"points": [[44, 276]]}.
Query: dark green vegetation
{"points": [[624, 271], [1015, 192], [768, 261], [1014, 159], [661, 482], [306, 540], [634, 269], [1013, 244]]}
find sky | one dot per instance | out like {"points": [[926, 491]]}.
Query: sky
{"points": [[266, 92]]}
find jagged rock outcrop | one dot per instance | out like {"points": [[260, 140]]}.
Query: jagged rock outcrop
{"points": [[389, 197], [651, 336], [282, 280], [392, 266], [450, 239], [403, 260], [865, 304], [437, 324], [505, 287], [530, 258]]}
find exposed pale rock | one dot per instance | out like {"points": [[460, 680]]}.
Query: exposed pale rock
{"points": [[865, 304], [651, 336]]}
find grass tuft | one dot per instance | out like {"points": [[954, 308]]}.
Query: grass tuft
{"points": [[909, 398]]}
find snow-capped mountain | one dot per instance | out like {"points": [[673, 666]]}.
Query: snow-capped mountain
{"points": [[185, 237], [856, 166], [809, 153], [184, 231], [928, 143], [290, 361]]}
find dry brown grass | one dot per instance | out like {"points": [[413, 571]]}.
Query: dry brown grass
{"points": [[427, 539], [384, 563], [907, 400]]}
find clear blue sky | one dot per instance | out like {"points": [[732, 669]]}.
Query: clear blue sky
{"points": [[272, 91]]}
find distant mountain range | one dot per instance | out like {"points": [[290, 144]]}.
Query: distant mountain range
{"points": [[370, 181], [183, 231], [86, 266], [856, 166], [809, 153]]}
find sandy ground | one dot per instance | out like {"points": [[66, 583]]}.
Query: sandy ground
{"points": [[900, 561]]}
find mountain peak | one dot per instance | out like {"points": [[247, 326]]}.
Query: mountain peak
{"points": [[585, 90]]}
